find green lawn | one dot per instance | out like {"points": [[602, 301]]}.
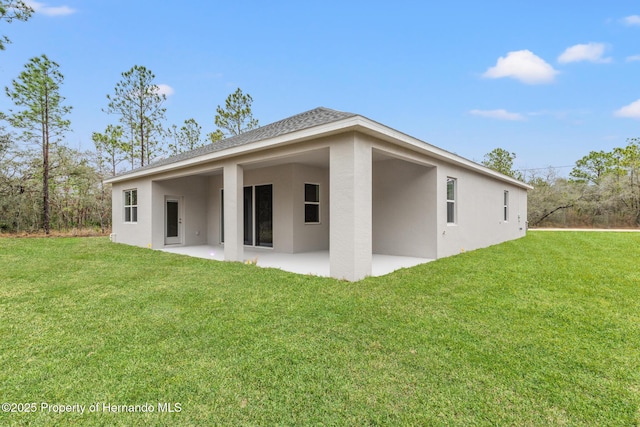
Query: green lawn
{"points": [[544, 330]]}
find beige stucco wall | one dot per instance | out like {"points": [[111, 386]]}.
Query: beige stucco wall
{"points": [[192, 192], [280, 178], [350, 181], [309, 237], [404, 209], [290, 233], [139, 233], [479, 212], [214, 222]]}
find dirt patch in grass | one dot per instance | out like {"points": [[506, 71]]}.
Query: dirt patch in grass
{"points": [[75, 232]]}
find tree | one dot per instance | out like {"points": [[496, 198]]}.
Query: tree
{"points": [[139, 101], [191, 133], [592, 167], [10, 10], [236, 117], [628, 160], [5, 137], [603, 191], [154, 145], [551, 198], [501, 161], [187, 138], [628, 166], [111, 143], [8, 166], [216, 136], [37, 91]]}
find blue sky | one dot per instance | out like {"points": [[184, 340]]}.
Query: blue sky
{"points": [[547, 80]]}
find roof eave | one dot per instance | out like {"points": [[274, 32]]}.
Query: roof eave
{"points": [[358, 123], [392, 135], [286, 139]]}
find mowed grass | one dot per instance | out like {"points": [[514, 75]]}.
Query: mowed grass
{"points": [[544, 330]]}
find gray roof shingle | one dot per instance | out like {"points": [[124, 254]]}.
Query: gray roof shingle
{"points": [[308, 119]]}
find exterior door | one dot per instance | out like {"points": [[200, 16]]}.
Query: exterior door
{"points": [[248, 215], [264, 215], [173, 221], [257, 215]]}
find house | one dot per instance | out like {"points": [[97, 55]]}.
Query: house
{"points": [[322, 180]]}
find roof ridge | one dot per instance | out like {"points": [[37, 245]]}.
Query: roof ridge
{"points": [[287, 120]]}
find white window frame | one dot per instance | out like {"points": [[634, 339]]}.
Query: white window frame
{"points": [[453, 201], [505, 206], [311, 202], [130, 207]]}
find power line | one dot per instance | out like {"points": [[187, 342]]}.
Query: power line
{"points": [[546, 168]]}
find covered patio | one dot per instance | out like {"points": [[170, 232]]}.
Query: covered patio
{"points": [[348, 226], [313, 263]]}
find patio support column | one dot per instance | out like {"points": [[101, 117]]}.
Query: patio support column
{"points": [[233, 213], [350, 208]]}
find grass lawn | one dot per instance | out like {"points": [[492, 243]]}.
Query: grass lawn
{"points": [[544, 330]]}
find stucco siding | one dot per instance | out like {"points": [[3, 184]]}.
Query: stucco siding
{"points": [[290, 233], [404, 209], [280, 178], [192, 195], [310, 237], [350, 244], [138, 233], [214, 219], [479, 212]]}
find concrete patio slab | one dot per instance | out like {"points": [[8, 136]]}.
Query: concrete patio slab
{"points": [[314, 263]]}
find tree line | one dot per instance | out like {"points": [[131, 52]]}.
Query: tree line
{"points": [[602, 189], [140, 137], [45, 184]]}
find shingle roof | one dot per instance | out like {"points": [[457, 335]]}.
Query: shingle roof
{"points": [[316, 117]]}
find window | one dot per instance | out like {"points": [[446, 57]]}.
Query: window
{"points": [[311, 203], [131, 206], [505, 207], [451, 200]]}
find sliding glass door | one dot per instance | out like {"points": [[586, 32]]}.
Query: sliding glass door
{"points": [[264, 215], [248, 215], [257, 210]]}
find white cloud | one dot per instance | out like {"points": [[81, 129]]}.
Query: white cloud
{"points": [[498, 114], [591, 52], [50, 10], [633, 58], [165, 90], [632, 20], [522, 65], [631, 111], [570, 116]]}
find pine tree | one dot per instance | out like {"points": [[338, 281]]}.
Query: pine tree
{"points": [[41, 114]]}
